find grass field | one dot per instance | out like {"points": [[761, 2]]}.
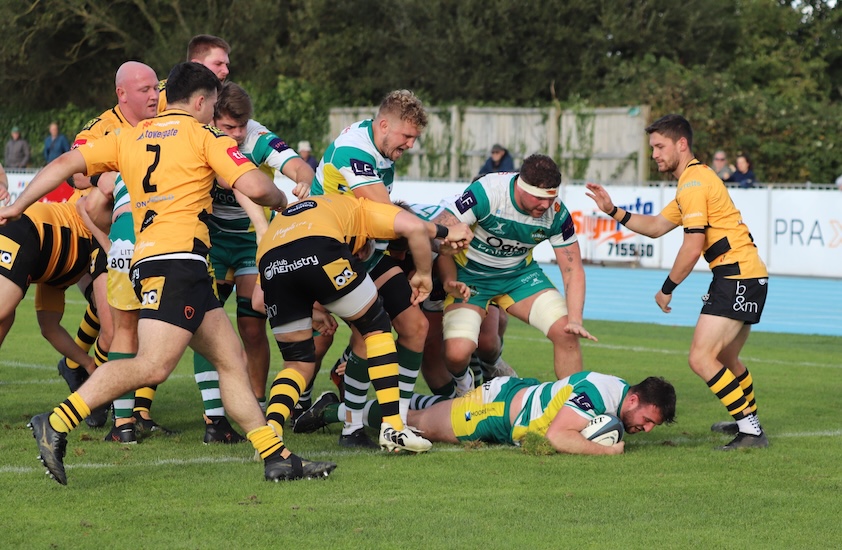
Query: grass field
{"points": [[669, 490]]}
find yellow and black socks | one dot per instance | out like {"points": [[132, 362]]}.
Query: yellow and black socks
{"points": [[86, 334], [143, 399], [383, 371], [266, 442], [747, 384], [69, 414], [728, 390], [283, 395]]}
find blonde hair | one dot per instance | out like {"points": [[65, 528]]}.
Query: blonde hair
{"points": [[405, 105]]}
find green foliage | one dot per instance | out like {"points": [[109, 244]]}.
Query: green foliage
{"points": [[295, 110], [34, 125]]}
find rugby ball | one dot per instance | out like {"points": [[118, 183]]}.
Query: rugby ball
{"points": [[605, 429]]}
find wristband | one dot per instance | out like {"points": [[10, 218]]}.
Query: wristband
{"points": [[613, 211], [626, 218], [668, 286], [95, 180], [441, 231]]}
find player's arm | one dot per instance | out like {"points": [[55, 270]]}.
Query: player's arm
{"points": [[50, 177], [569, 260], [255, 213], [101, 235], [564, 434], [300, 172], [376, 192], [688, 255], [446, 267], [644, 224], [259, 188], [49, 302], [4, 185]]}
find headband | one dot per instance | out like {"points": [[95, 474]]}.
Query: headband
{"points": [[541, 192]]}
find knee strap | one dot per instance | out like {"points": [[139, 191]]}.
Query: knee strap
{"points": [[375, 319], [244, 308], [304, 351], [547, 308]]}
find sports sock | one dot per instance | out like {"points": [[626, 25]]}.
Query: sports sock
{"points": [[383, 371], [475, 364], [747, 384], [86, 334], [356, 392], [266, 442], [749, 424], [332, 414], [208, 381], [447, 391], [409, 365], [283, 395], [100, 355], [69, 414], [419, 401], [726, 388], [143, 398], [124, 404]]}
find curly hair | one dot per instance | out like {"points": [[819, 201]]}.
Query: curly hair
{"points": [[405, 105], [540, 171]]}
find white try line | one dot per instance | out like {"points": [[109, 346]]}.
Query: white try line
{"points": [[445, 448]]}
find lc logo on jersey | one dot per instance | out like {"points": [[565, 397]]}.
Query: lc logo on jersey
{"points": [[340, 273], [466, 202], [583, 402], [237, 156], [362, 168]]}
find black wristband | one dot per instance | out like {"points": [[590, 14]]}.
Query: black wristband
{"points": [[668, 286], [613, 211], [441, 231], [626, 218], [95, 180]]}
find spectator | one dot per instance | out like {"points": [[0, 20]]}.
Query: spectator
{"points": [[499, 161], [743, 175], [721, 166], [839, 183], [55, 144], [305, 152], [17, 150]]}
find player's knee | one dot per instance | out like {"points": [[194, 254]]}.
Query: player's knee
{"points": [[457, 351], [375, 319], [462, 322], [303, 351], [412, 326], [547, 309]]}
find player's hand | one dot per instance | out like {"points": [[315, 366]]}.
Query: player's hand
{"points": [[421, 285], [600, 196], [301, 190], [324, 323], [459, 235], [4, 194], [663, 301], [579, 330], [458, 290], [8, 214], [617, 448]]}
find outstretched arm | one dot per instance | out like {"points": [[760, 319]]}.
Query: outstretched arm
{"points": [[564, 434], [650, 226], [50, 177]]}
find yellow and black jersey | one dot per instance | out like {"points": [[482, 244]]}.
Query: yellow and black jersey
{"points": [[65, 242], [702, 201], [109, 122], [342, 217], [168, 164]]}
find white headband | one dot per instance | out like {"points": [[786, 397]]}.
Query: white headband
{"points": [[542, 192]]}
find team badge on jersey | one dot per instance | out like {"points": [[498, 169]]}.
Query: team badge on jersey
{"points": [[278, 144], [162, 85], [90, 124], [299, 207], [467, 201], [362, 168], [214, 130], [568, 228], [583, 402]]}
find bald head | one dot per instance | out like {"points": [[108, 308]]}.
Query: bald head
{"points": [[137, 91]]}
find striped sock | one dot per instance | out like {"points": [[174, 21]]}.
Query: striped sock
{"points": [[356, 392], [383, 371], [208, 381], [726, 388], [283, 395], [69, 414], [409, 366]]}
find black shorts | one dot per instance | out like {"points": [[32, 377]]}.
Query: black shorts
{"points": [[395, 291], [312, 269], [99, 261], [19, 251], [177, 292], [738, 299]]}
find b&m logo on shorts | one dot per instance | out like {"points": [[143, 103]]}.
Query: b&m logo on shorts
{"points": [[340, 273], [8, 251]]}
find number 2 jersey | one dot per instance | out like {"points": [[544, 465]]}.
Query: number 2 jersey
{"points": [[168, 164], [504, 236]]}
